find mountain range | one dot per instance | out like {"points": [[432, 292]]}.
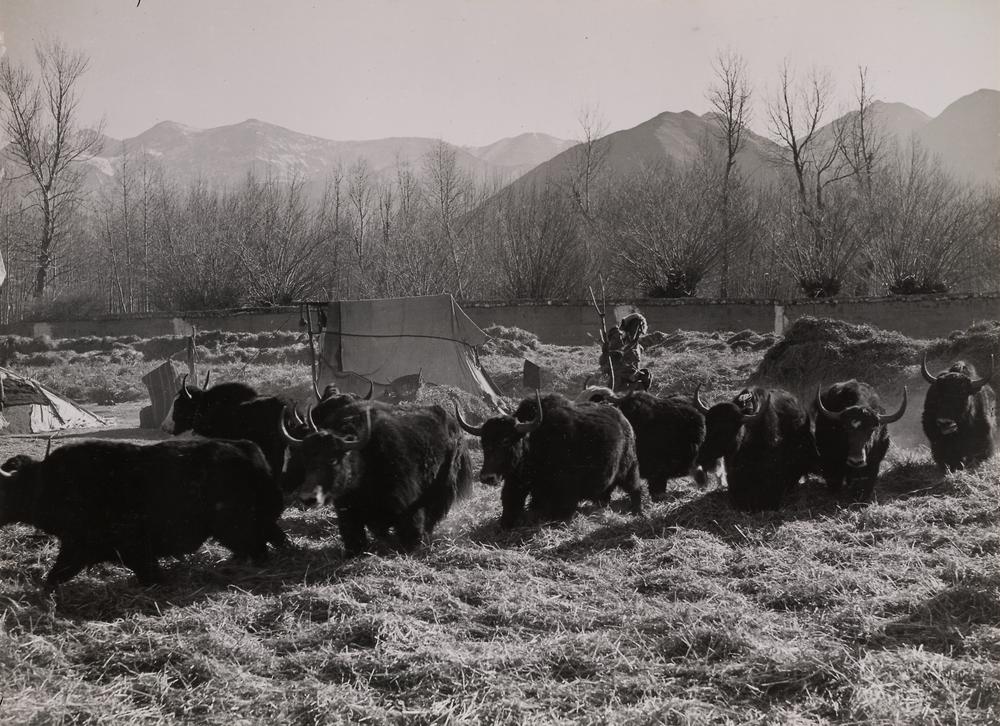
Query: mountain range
{"points": [[966, 136]]}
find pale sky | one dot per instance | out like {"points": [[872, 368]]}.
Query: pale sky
{"points": [[472, 71]]}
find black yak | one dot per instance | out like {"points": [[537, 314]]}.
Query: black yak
{"points": [[557, 453], [113, 501], [402, 472], [852, 435], [765, 453], [669, 430], [959, 416], [233, 411]]}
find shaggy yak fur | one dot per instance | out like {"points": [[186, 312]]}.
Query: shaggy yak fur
{"points": [[558, 457], [400, 471], [959, 416], [113, 501], [852, 435], [765, 453], [234, 411], [668, 432]]}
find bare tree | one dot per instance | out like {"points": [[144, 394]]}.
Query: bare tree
{"points": [[861, 143], [663, 224], [730, 97], [588, 159], [537, 248], [449, 192], [39, 116], [821, 254], [931, 228]]}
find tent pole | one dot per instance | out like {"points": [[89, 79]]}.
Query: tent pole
{"points": [[312, 348]]}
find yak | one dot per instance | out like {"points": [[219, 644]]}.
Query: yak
{"points": [[114, 501], [402, 472], [557, 453], [669, 430], [765, 453], [959, 417], [233, 411], [852, 435]]}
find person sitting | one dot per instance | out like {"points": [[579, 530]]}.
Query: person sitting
{"points": [[621, 355]]}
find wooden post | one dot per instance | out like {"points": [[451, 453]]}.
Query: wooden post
{"points": [[312, 350], [192, 353]]}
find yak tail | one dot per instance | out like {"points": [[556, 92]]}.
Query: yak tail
{"points": [[460, 473]]}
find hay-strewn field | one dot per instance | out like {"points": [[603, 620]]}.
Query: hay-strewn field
{"points": [[821, 613]]}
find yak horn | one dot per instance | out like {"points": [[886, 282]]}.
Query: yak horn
{"points": [[469, 428], [526, 427], [586, 383], [976, 385], [371, 390], [208, 377], [923, 370], [748, 417], [298, 416], [894, 417], [292, 441], [699, 404], [353, 443], [310, 420], [827, 413], [184, 387], [316, 391]]}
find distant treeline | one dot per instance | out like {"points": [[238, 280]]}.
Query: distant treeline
{"points": [[852, 213]]}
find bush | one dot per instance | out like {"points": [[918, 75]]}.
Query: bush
{"points": [[820, 286], [911, 285], [674, 284]]}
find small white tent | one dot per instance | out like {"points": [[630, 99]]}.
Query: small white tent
{"points": [[386, 341], [28, 407]]}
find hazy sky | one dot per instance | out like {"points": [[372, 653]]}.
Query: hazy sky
{"points": [[472, 72]]}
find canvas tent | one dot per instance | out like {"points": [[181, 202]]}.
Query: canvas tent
{"points": [[389, 341], [31, 408]]}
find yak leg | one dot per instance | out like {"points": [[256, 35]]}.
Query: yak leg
{"points": [[410, 530], [277, 537], [352, 531], [147, 569], [657, 486], [69, 562], [512, 499], [629, 483]]}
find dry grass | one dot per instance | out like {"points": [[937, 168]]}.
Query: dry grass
{"points": [[825, 612]]}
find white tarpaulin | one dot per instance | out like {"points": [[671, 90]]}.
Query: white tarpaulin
{"points": [[385, 340]]}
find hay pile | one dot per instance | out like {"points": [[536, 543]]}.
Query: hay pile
{"points": [[658, 343], [974, 345], [821, 350]]}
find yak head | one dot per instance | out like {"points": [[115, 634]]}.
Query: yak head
{"points": [[859, 424], [183, 410], [595, 394], [948, 397], [503, 439], [724, 424], [332, 463], [333, 400]]}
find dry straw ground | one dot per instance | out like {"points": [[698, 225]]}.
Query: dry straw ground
{"points": [[825, 612]]}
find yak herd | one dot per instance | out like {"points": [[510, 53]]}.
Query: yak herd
{"points": [[400, 469]]}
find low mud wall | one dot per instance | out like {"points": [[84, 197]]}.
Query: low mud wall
{"points": [[576, 323]]}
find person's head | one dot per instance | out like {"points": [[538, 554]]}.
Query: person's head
{"points": [[633, 325]]}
